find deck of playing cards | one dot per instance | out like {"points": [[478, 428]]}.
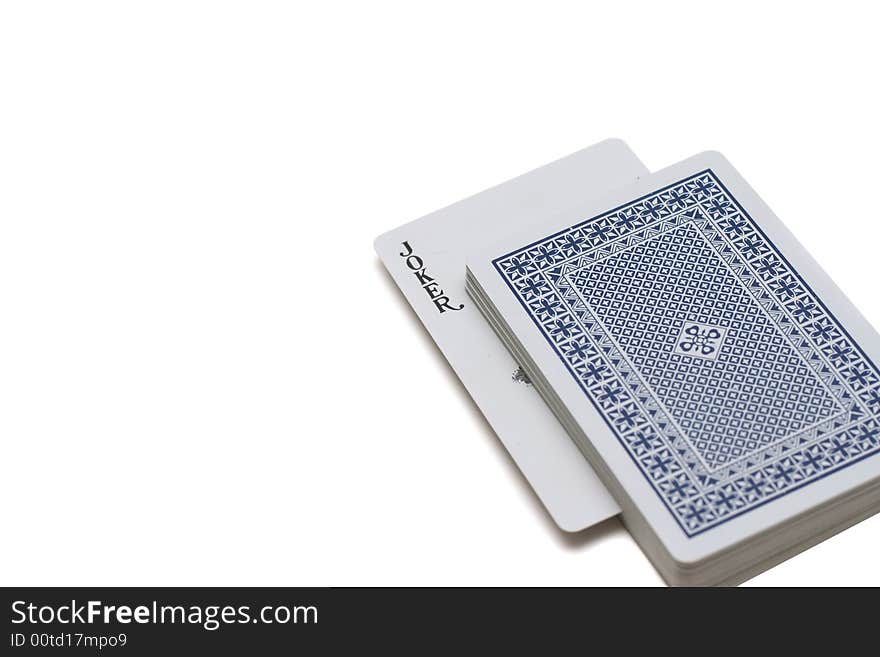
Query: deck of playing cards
{"points": [[720, 385]]}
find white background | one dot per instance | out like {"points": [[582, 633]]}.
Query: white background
{"points": [[206, 376]]}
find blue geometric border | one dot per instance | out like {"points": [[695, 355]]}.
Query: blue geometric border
{"points": [[698, 498]]}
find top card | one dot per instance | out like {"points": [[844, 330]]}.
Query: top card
{"points": [[723, 378]]}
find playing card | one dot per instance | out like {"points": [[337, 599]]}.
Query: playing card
{"points": [[426, 258], [725, 384]]}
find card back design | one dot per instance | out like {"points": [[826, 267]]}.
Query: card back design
{"points": [[717, 368]]}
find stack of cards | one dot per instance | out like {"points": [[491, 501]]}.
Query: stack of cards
{"points": [[721, 387]]}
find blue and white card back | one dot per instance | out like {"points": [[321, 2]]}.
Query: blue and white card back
{"points": [[724, 381]]}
